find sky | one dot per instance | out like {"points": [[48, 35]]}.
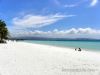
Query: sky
{"points": [[52, 18]]}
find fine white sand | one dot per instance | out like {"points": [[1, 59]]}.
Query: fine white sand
{"points": [[19, 58]]}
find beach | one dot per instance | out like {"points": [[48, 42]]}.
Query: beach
{"points": [[21, 58]]}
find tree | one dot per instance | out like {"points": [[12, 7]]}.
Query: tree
{"points": [[3, 32]]}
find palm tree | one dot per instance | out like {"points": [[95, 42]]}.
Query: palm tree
{"points": [[3, 32]]}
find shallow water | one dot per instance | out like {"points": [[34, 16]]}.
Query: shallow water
{"points": [[87, 45]]}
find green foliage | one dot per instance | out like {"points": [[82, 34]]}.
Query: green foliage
{"points": [[3, 32]]}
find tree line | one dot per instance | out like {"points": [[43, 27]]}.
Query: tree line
{"points": [[3, 32]]}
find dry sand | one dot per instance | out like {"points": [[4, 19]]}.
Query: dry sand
{"points": [[19, 58]]}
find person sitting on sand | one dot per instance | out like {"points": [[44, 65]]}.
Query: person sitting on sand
{"points": [[75, 49], [79, 49]]}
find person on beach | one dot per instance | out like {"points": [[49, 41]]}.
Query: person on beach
{"points": [[75, 49], [79, 49]]}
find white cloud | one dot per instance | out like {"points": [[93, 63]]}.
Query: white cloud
{"points": [[93, 2], [75, 4], [70, 5], [57, 2], [36, 21], [78, 31], [69, 33]]}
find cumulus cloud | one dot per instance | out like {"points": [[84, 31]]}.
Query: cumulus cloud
{"points": [[36, 21], [77, 31], [94, 2], [70, 33]]}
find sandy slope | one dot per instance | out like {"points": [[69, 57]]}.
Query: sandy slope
{"points": [[18, 58]]}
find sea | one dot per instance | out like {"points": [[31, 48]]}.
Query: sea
{"points": [[92, 45]]}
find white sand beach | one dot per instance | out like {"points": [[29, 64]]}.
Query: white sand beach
{"points": [[19, 58]]}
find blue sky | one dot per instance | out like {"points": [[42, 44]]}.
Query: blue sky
{"points": [[51, 18]]}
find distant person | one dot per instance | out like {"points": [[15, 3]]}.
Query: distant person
{"points": [[75, 49], [79, 49]]}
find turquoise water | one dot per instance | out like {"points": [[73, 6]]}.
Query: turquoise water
{"points": [[87, 45]]}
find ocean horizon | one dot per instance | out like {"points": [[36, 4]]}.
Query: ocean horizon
{"points": [[91, 45]]}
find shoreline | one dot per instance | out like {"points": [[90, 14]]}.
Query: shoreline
{"points": [[22, 58], [83, 49]]}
